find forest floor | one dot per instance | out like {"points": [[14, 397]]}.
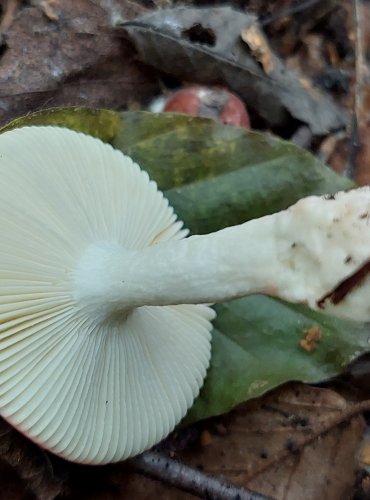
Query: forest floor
{"points": [[298, 442]]}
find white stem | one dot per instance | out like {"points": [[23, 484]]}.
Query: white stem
{"points": [[301, 255]]}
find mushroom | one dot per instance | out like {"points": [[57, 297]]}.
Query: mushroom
{"points": [[212, 102], [104, 322]]}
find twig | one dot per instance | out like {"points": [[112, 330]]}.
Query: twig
{"points": [[354, 148], [159, 466], [355, 139]]}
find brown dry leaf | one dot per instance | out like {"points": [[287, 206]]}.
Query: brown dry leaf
{"points": [[69, 61], [204, 45], [273, 446], [258, 45], [51, 8]]}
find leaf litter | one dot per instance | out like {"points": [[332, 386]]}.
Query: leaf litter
{"points": [[275, 445], [29, 472], [71, 60], [196, 44]]}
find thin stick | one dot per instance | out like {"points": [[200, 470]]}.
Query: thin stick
{"points": [[159, 466], [358, 88], [360, 60]]}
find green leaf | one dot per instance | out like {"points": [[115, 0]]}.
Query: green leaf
{"points": [[101, 123], [256, 347], [215, 176]]}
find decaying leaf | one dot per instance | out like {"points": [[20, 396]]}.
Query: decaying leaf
{"points": [[258, 45], [69, 60], [205, 45], [277, 446]]}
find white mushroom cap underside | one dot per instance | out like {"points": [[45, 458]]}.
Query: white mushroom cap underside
{"points": [[88, 391]]}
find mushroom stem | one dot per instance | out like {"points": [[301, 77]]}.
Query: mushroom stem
{"points": [[315, 252]]}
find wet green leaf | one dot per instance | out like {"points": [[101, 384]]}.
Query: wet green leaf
{"points": [[215, 176]]}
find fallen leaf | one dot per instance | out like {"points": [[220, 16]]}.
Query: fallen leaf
{"points": [[69, 61], [295, 443], [102, 123], [258, 45], [205, 45], [256, 348]]}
